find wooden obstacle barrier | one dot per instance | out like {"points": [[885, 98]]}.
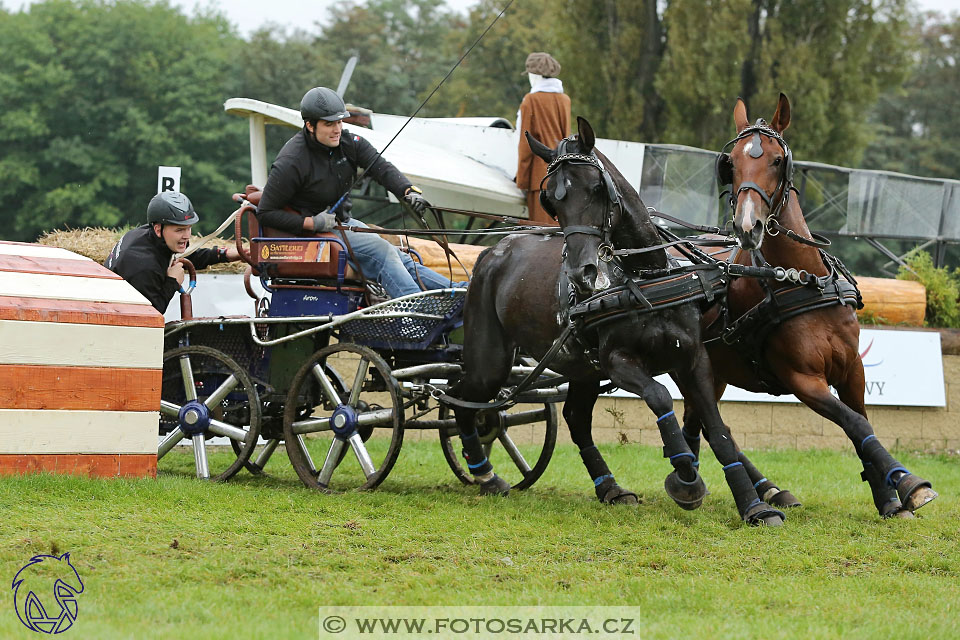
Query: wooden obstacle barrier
{"points": [[80, 367], [893, 301]]}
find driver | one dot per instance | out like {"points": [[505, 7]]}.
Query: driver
{"points": [[142, 257], [313, 174]]}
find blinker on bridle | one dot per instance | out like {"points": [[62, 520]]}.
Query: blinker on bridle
{"points": [[605, 250]]}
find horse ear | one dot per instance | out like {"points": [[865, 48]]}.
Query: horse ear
{"points": [[740, 115], [585, 135], [539, 149], [781, 117]]}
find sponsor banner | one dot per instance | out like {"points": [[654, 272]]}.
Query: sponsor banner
{"points": [[901, 368], [294, 251]]}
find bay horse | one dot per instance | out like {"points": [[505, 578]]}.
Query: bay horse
{"points": [[798, 336], [513, 302]]}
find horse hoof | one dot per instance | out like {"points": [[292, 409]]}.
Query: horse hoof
{"points": [[904, 514], [611, 493], [782, 499], [763, 514], [920, 497], [622, 497], [915, 492], [892, 509], [495, 486], [688, 495]]}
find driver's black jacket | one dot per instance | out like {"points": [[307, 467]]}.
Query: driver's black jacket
{"points": [[142, 259], [309, 177]]}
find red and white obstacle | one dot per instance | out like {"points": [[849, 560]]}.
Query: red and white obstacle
{"points": [[81, 356]]}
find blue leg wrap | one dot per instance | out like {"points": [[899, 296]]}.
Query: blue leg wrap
{"points": [[887, 481], [598, 481], [759, 482], [478, 465], [732, 465], [665, 416]]}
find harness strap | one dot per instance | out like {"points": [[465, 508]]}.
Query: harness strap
{"points": [[524, 384], [584, 229], [753, 186]]}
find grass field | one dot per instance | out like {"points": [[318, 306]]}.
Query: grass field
{"points": [[255, 557]]}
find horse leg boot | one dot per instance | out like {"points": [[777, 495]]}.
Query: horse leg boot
{"points": [[684, 483], [884, 496], [692, 429], [766, 490], [487, 360], [490, 483], [913, 491], [578, 413], [752, 508]]}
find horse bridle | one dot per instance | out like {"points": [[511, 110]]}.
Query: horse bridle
{"points": [[785, 182], [603, 231], [771, 225]]}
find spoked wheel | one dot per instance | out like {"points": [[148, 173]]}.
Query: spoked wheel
{"points": [[322, 423], [206, 394], [262, 454], [513, 441]]}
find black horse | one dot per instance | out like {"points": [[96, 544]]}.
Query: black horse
{"points": [[513, 303]]}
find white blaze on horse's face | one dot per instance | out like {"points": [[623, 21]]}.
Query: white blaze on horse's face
{"points": [[747, 215]]}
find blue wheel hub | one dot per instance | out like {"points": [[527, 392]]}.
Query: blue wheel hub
{"points": [[194, 418], [344, 421]]}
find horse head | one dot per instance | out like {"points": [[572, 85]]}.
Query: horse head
{"points": [[579, 193], [759, 167]]}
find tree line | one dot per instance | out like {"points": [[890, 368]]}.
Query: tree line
{"points": [[96, 94]]}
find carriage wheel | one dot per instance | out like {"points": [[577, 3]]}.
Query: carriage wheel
{"points": [[505, 449], [205, 395], [323, 424], [259, 457]]}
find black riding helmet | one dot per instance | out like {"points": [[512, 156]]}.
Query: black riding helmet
{"points": [[171, 207], [321, 103]]}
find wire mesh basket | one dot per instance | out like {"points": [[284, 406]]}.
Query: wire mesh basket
{"points": [[406, 323]]}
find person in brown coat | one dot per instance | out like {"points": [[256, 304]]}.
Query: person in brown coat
{"points": [[545, 113]]}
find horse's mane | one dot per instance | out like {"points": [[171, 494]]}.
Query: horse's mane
{"points": [[636, 229]]}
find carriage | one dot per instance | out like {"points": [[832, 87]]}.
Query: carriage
{"points": [[336, 381]]}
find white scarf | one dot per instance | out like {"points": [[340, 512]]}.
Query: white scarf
{"points": [[546, 85]]}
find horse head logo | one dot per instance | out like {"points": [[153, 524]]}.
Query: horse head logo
{"points": [[57, 582]]}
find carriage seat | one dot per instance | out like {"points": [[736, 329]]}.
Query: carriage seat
{"points": [[303, 259]]}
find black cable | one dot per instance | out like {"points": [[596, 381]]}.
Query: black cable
{"points": [[427, 99]]}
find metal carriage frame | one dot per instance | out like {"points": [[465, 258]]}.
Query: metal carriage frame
{"points": [[325, 377]]}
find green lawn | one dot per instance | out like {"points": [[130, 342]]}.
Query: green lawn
{"points": [[255, 557]]}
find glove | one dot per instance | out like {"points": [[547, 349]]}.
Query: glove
{"points": [[414, 198], [324, 222], [343, 211]]}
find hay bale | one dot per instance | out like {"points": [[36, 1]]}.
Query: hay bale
{"points": [[96, 242]]}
